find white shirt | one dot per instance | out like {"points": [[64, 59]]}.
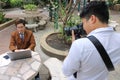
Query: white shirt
{"points": [[84, 58], [21, 35]]}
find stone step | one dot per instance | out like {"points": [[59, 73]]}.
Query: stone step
{"points": [[54, 66]]}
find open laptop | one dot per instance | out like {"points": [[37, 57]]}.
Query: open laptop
{"points": [[20, 55]]}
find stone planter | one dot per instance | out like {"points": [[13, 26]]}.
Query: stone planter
{"points": [[52, 51], [60, 54], [32, 11], [6, 24], [41, 24]]}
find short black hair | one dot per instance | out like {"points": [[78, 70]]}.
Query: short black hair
{"points": [[19, 21], [97, 8]]}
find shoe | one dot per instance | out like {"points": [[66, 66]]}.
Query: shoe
{"points": [[37, 78]]}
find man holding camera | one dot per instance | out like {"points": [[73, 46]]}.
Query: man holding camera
{"points": [[84, 61]]}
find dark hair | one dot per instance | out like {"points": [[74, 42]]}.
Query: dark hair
{"points": [[19, 21], [97, 8]]}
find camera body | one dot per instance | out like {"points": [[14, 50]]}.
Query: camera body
{"points": [[78, 31]]}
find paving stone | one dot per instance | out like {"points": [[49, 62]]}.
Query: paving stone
{"points": [[43, 70], [35, 65], [3, 77], [37, 57], [12, 71], [24, 68], [15, 78], [28, 74], [2, 70]]}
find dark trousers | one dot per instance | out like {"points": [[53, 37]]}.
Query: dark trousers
{"points": [[37, 77]]}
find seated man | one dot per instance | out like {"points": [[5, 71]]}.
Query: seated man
{"points": [[21, 39]]}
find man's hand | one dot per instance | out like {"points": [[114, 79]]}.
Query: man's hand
{"points": [[28, 49], [73, 36], [18, 50]]}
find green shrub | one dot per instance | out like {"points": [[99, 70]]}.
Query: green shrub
{"points": [[111, 3], [4, 0], [73, 21], [30, 7], [118, 2], [16, 3], [1, 17], [6, 4]]}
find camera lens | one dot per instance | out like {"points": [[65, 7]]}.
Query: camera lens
{"points": [[78, 30]]}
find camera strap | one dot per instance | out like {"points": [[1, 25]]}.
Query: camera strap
{"points": [[102, 52]]}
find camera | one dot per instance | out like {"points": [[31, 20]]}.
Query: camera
{"points": [[78, 31]]}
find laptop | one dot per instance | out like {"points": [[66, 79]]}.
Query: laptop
{"points": [[20, 55]]}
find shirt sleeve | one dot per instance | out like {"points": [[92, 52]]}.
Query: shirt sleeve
{"points": [[72, 62]]}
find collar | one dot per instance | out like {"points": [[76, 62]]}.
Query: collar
{"points": [[101, 30], [21, 32]]}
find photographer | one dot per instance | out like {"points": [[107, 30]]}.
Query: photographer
{"points": [[83, 61]]}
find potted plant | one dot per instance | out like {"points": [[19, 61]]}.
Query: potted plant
{"points": [[30, 8], [63, 13], [72, 22], [63, 17]]}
